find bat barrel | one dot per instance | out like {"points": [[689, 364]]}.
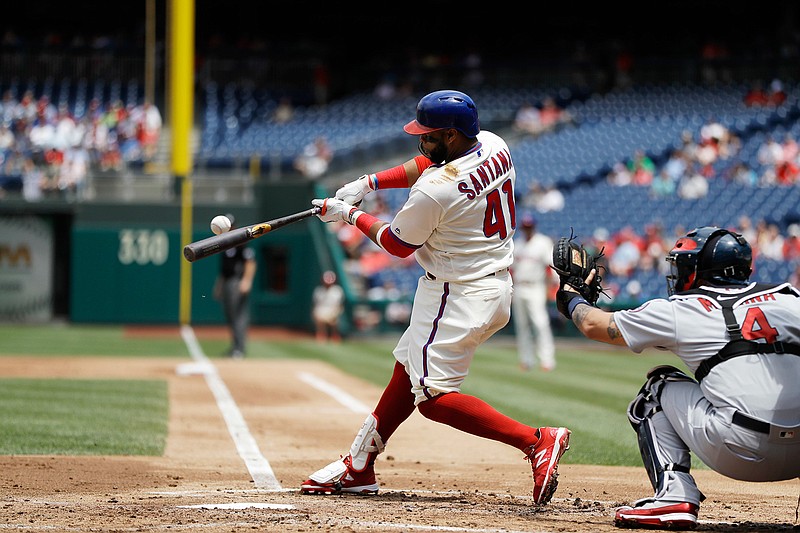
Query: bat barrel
{"points": [[224, 241], [213, 245]]}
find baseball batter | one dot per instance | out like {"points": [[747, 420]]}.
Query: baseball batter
{"points": [[741, 413], [459, 221]]}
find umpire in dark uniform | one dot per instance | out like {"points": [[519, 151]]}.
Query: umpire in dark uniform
{"points": [[232, 289]]}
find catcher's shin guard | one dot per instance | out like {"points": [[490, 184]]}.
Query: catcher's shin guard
{"points": [[667, 469]]}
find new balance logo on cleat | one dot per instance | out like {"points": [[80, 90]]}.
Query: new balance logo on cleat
{"points": [[546, 453]]}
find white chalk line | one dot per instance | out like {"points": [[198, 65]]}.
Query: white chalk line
{"points": [[242, 505], [164, 527], [334, 392], [258, 466]]}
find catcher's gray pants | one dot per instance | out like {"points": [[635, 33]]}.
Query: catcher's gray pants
{"points": [[237, 312], [688, 421]]}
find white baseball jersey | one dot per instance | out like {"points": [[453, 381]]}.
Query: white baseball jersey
{"points": [[460, 220], [532, 260], [761, 387], [460, 216]]}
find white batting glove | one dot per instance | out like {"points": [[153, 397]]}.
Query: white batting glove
{"points": [[334, 210], [355, 191]]}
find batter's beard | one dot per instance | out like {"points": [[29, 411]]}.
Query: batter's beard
{"points": [[437, 155]]}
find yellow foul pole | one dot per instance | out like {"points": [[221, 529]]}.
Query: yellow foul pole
{"points": [[181, 98]]}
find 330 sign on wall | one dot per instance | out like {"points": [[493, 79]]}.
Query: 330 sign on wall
{"points": [[143, 247]]}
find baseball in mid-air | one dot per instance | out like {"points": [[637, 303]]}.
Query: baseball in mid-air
{"points": [[220, 224]]}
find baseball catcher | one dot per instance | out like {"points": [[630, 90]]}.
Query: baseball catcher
{"points": [[740, 413], [579, 270]]}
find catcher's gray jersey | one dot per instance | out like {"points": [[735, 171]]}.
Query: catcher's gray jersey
{"points": [[692, 326], [743, 418]]}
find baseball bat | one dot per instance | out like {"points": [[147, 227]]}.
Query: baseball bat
{"points": [[225, 241]]}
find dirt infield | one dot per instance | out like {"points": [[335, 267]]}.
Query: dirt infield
{"points": [[433, 478]]}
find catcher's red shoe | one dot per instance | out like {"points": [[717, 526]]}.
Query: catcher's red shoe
{"points": [[653, 514], [544, 457], [339, 477]]}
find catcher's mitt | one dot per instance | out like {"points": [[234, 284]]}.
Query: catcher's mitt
{"points": [[573, 264]]}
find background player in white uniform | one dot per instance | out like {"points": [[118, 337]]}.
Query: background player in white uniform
{"points": [[741, 415], [533, 256], [459, 220]]}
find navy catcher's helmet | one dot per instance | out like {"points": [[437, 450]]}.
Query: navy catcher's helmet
{"points": [[445, 109], [711, 254]]}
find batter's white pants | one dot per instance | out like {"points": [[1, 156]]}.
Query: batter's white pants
{"points": [[449, 321], [532, 326]]}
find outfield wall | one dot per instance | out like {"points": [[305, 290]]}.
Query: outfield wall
{"points": [[120, 263]]}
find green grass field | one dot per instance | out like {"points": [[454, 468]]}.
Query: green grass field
{"points": [[587, 392]]}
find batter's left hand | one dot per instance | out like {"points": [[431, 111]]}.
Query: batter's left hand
{"points": [[333, 209]]}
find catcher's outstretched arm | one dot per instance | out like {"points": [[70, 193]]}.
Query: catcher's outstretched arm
{"points": [[597, 324]]}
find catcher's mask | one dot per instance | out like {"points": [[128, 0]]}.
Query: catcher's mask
{"points": [[709, 254], [445, 109]]}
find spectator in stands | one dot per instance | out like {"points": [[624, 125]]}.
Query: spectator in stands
{"points": [[770, 242], [787, 172], [747, 230], [794, 278], [742, 174], [26, 107], [284, 111], [315, 159], [41, 135], [689, 145], [777, 94], [628, 252], [111, 158], [770, 153], [73, 173], [693, 185], [65, 130], [33, 181], [601, 242], [8, 107], [663, 186], [655, 248], [756, 96], [7, 139], [549, 199], [791, 244], [150, 130], [791, 149], [676, 165], [642, 169], [619, 176], [551, 115], [527, 120]]}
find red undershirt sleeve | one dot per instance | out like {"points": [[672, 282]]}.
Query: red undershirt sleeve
{"points": [[396, 177]]}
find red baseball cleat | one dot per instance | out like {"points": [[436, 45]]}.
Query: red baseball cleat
{"points": [[544, 457], [657, 515], [338, 477]]}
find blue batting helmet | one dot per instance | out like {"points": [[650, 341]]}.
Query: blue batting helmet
{"points": [[445, 109]]}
